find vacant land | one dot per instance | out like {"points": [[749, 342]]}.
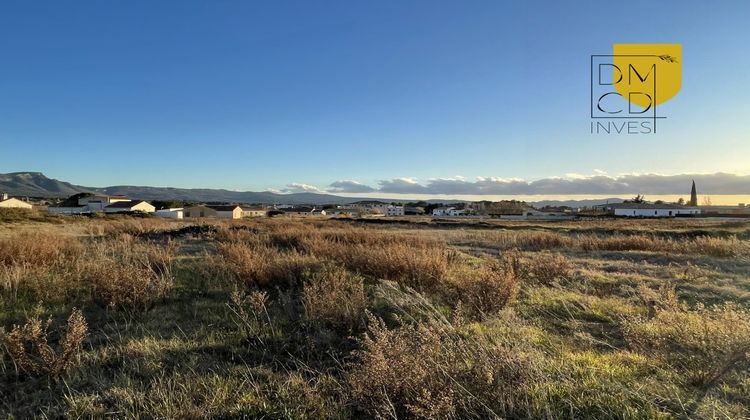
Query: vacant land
{"points": [[284, 318]]}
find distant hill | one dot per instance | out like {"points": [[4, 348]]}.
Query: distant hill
{"points": [[218, 195], [36, 184], [575, 203]]}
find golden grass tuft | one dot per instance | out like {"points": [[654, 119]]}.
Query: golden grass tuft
{"points": [[29, 348], [334, 297], [704, 344]]}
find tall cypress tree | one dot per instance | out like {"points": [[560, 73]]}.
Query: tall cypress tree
{"points": [[693, 196]]}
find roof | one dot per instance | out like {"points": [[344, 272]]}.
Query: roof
{"points": [[224, 208], [125, 204], [248, 208]]}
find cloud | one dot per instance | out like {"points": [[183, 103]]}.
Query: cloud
{"points": [[598, 183], [402, 186], [297, 187], [345, 186]]}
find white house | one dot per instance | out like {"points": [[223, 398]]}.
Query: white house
{"points": [[440, 211], [130, 206], [652, 210], [449, 211], [394, 210], [173, 213], [15, 203], [99, 202]]}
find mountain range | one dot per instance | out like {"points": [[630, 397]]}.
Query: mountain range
{"points": [[36, 184]]}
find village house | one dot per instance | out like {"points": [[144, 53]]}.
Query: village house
{"points": [[303, 211], [534, 214], [96, 203], [651, 210], [232, 211], [67, 209], [171, 213], [449, 212], [130, 206], [253, 211], [394, 210], [8, 202]]}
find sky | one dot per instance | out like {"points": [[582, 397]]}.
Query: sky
{"points": [[356, 97]]}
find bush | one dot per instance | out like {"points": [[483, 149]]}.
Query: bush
{"points": [[420, 267], [262, 266], [29, 349], [128, 274], [429, 370], [485, 291], [251, 315], [334, 297], [38, 249], [705, 344], [546, 268]]}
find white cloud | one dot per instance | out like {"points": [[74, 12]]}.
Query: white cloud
{"points": [[598, 183], [347, 186], [297, 187]]}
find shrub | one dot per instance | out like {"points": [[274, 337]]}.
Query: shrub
{"points": [[128, 274], [38, 249], [485, 291], [28, 346], [539, 267], [431, 371], [419, 267], [335, 297], [251, 315], [705, 344], [262, 266], [546, 268]]}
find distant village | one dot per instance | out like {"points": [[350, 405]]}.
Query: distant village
{"points": [[638, 207]]}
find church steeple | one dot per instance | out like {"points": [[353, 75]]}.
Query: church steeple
{"points": [[693, 197]]}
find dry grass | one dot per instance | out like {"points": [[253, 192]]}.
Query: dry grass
{"points": [[600, 319], [251, 315], [705, 344], [335, 297], [38, 249], [31, 353], [482, 292], [129, 275], [429, 370], [723, 247]]}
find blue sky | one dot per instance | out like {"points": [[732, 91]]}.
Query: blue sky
{"points": [[262, 95]]}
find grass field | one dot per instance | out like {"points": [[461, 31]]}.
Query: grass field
{"points": [[284, 318]]}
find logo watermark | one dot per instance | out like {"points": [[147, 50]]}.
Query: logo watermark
{"points": [[628, 85]]}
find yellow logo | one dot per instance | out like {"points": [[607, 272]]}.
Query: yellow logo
{"points": [[647, 75]]}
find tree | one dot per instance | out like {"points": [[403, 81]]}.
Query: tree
{"points": [[706, 200], [681, 201]]}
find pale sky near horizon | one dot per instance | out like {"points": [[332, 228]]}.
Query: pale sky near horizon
{"points": [[293, 95]]}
